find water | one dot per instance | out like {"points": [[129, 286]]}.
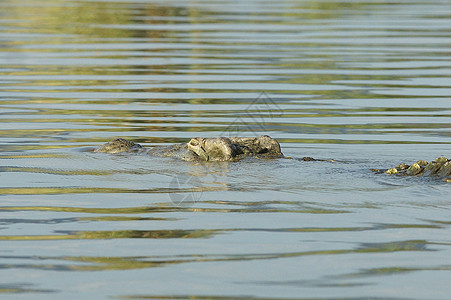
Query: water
{"points": [[365, 83]]}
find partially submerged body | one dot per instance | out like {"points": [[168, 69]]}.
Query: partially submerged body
{"points": [[439, 168], [237, 148], [119, 146], [204, 149]]}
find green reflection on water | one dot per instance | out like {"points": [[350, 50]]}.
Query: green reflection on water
{"points": [[59, 172], [120, 234], [107, 26], [206, 233], [122, 219], [126, 263], [166, 207], [93, 190], [18, 288], [398, 270]]}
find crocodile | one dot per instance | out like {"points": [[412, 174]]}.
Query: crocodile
{"points": [[237, 148], [204, 149]]}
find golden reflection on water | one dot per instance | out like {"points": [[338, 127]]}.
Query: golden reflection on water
{"points": [[127, 263], [166, 208], [120, 234], [111, 35]]}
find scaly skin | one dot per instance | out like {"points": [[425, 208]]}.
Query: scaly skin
{"points": [[440, 168]]}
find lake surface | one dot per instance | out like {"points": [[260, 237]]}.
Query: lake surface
{"points": [[367, 83]]}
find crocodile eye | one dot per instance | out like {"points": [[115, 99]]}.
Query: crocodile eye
{"points": [[193, 143]]}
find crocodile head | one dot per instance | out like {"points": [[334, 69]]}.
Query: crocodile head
{"points": [[213, 149], [118, 146], [197, 145]]}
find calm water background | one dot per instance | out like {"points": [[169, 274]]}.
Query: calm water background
{"points": [[367, 83]]}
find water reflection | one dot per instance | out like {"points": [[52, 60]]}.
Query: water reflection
{"points": [[157, 53], [17, 288], [108, 263], [363, 83], [166, 207]]}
